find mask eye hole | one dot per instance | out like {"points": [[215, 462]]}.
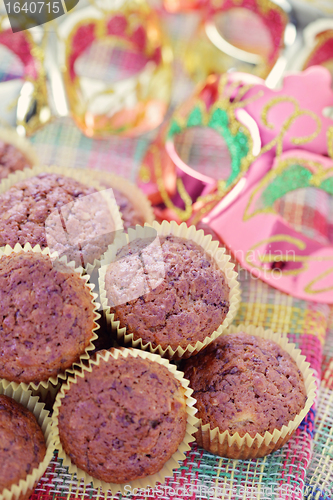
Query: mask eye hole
{"points": [[308, 211], [246, 31], [205, 151], [110, 62]]}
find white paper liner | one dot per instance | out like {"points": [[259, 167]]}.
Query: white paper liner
{"points": [[31, 402], [246, 447], [189, 233], [44, 387], [170, 465]]}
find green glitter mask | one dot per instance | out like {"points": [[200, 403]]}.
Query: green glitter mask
{"points": [[234, 134]]}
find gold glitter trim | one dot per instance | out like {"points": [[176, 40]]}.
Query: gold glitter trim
{"points": [[330, 142], [304, 259], [317, 177], [182, 214], [278, 140], [144, 174], [268, 259], [309, 287], [243, 90]]}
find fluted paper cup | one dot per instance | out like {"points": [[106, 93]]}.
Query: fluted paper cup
{"points": [[172, 464], [220, 258], [43, 387], [25, 487], [233, 445]]}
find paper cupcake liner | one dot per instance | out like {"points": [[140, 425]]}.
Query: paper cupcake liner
{"points": [[211, 247], [46, 394], [138, 199], [170, 465], [51, 385], [10, 136], [246, 447], [26, 486]]}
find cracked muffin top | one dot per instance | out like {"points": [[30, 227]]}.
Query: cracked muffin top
{"points": [[22, 443], [46, 317], [11, 159], [169, 293], [123, 420], [244, 383], [52, 210], [130, 215], [131, 201]]}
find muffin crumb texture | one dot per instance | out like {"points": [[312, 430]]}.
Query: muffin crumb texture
{"points": [[22, 443], [130, 215], [55, 211], [46, 318], [11, 159], [123, 420], [188, 304], [245, 384]]}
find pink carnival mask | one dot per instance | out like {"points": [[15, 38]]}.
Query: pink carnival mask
{"points": [[279, 141]]}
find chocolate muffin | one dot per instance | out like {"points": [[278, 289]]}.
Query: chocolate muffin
{"points": [[59, 212], [132, 202], [123, 420], [11, 159], [46, 319], [130, 215], [190, 301], [245, 384], [22, 443]]}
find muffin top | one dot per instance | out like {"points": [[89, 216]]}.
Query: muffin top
{"points": [[245, 384], [123, 420], [170, 292], [59, 212], [130, 212], [11, 159], [22, 443], [46, 318], [130, 215]]}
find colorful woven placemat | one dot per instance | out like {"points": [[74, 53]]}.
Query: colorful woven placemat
{"points": [[319, 482], [290, 473]]}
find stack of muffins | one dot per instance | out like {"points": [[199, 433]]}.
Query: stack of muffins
{"points": [[169, 294]]}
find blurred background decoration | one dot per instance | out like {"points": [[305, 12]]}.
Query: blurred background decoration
{"points": [[109, 65], [110, 69]]}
